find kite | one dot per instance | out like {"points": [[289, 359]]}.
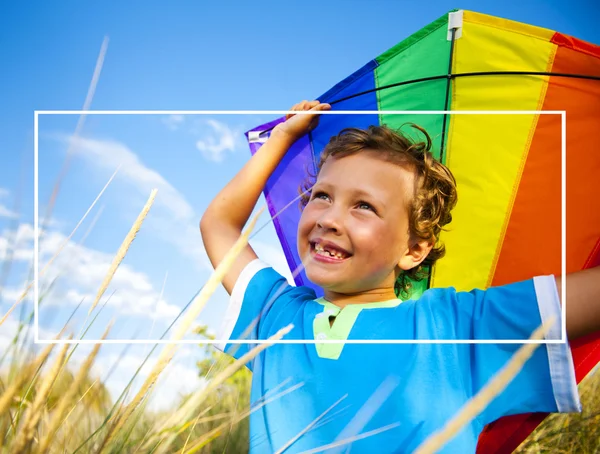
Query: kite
{"points": [[508, 224]]}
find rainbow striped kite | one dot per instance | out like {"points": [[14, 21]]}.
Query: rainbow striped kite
{"points": [[507, 225]]}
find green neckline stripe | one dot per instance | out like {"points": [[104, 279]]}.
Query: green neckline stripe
{"points": [[344, 321]]}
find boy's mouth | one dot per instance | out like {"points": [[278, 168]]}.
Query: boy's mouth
{"points": [[328, 250]]}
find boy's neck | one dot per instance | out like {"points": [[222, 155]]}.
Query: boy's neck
{"points": [[371, 296]]}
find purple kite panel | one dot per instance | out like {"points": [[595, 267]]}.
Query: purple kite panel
{"points": [[282, 194]]}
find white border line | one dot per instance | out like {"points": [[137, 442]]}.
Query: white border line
{"points": [[299, 341], [36, 338], [285, 112], [562, 114], [563, 224]]}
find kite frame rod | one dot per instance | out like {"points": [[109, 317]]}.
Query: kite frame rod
{"points": [[443, 136], [469, 74], [453, 76], [448, 82]]}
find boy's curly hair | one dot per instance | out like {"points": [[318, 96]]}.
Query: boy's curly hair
{"points": [[435, 187]]}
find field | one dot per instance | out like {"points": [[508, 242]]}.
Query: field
{"points": [[47, 406]]}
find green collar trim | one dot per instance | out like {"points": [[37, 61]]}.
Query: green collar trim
{"points": [[344, 321]]}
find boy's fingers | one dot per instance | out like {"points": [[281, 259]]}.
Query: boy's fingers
{"points": [[322, 106], [307, 105], [290, 115], [296, 107]]}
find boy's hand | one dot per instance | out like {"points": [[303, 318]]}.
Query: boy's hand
{"points": [[225, 217], [295, 126]]}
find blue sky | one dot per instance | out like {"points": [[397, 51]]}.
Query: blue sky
{"points": [[183, 55]]}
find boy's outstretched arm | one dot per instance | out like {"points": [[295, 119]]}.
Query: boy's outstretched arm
{"points": [[224, 219], [583, 302]]}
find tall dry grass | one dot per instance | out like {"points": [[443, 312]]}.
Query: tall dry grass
{"points": [[49, 405]]}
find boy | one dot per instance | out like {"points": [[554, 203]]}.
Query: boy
{"points": [[372, 219]]}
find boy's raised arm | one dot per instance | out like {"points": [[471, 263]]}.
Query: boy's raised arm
{"points": [[583, 302], [224, 219]]}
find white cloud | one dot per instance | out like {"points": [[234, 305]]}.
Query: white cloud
{"points": [[221, 139], [10, 294], [172, 217], [7, 213], [182, 232], [85, 268], [109, 154], [173, 122], [81, 270], [17, 243], [3, 193], [128, 302], [20, 243]]}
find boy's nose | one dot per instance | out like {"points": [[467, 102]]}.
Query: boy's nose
{"points": [[329, 221]]}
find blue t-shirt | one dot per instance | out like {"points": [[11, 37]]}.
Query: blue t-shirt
{"points": [[391, 397]]}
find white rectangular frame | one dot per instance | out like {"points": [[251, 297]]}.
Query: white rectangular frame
{"points": [[562, 114]]}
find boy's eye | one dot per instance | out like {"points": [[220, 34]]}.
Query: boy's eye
{"points": [[365, 206], [320, 195]]}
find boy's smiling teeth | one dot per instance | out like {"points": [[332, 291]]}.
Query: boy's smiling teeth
{"points": [[327, 252]]}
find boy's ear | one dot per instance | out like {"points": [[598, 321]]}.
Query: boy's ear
{"points": [[415, 254]]}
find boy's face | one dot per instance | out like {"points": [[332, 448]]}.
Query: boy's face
{"points": [[354, 229]]}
